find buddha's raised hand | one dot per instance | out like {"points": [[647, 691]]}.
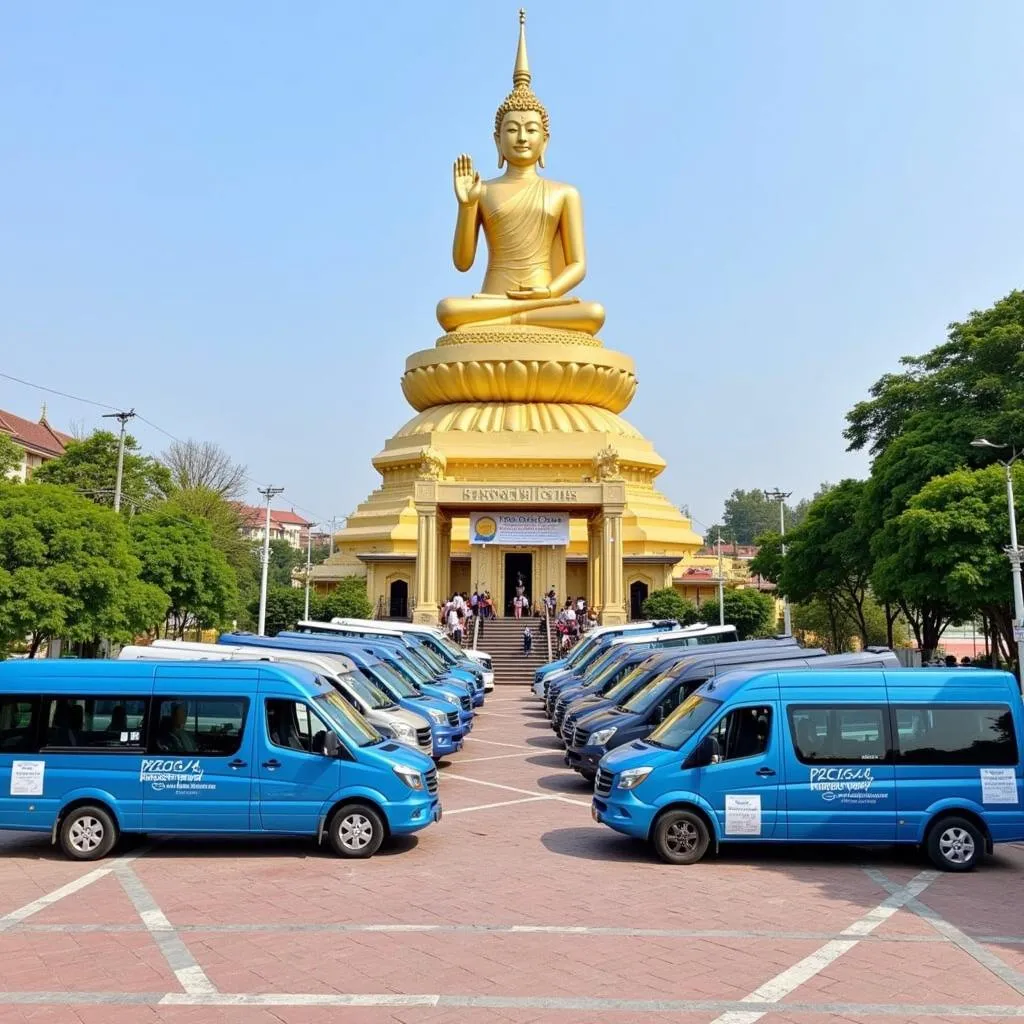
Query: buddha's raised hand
{"points": [[468, 186]]}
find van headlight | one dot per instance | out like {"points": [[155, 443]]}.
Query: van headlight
{"points": [[402, 731], [632, 777], [602, 736], [451, 698], [411, 778], [437, 717]]}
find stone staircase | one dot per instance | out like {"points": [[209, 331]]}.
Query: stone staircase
{"points": [[502, 639]]}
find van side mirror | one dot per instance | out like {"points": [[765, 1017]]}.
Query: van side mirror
{"points": [[332, 746], [707, 752]]}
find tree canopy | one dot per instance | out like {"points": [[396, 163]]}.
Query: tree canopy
{"points": [[179, 556], [11, 455], [203, 465], [67, 570], [89, 467], [669, 604], [750, 611]]}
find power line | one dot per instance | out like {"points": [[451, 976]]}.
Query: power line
{"points": [[315, 516]]}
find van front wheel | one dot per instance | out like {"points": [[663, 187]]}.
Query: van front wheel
{"points": [[955, 844], [356, 830], [87, 833], [680, 837]]}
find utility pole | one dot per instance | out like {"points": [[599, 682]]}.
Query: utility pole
{"points": [[334, 526], [780, 497], [309, 564], [721, 583], [268, 493], [123, 418]]}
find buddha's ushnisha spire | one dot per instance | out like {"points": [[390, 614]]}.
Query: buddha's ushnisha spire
{"points": [[521, 73], [522, 97]]}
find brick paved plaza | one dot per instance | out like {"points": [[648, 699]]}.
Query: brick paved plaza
{"points": [[515, 908]]}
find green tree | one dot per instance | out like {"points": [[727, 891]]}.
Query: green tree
{"points": [[11, 456], [285, 606], [749, 514], [283, 559], [347, 600], [918, 424], [947, 546], [67, 570], [178, 555], [89, 466], [750, 611], [669, 604]]}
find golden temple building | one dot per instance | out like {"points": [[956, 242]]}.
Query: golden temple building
{"points": [[518, 467]]}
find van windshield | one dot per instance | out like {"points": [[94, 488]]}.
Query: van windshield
{"points": [[645, 697], [406, 667], [347, 721], [600, 663], [607, 671], [581, 650], [372, 695], [448, 649], [392, 681], [429, 658], [683, 722], [611, 692]]}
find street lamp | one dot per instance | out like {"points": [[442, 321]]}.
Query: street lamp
{"points": [[1012, 551], [780, 497]]}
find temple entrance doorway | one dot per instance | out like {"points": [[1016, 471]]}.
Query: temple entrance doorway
{"points": [[638, 593], [518, 573], [398, 600]]}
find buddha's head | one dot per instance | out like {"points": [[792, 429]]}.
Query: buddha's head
{"points": [[521, 125]]}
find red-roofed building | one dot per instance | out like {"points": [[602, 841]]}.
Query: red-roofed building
{"points": [[40, 441], [284, 525]]}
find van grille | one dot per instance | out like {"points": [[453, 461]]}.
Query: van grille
{"points": [[423, 737], [579, 738], [432, 780], [453, 718], [603, 783], [467, 703]]}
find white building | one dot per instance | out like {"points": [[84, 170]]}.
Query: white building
{"points": [[284, 525]]}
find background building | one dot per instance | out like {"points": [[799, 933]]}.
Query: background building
{"points": [[39, 440]]}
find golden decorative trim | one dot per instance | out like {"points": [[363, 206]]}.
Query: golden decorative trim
{"points": [[513, 334], [502, 417]]}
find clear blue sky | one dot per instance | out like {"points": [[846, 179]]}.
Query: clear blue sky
{"points": [[236, 217]]}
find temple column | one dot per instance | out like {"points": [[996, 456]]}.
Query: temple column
{"points": [[594, 535], [426, 609], [613, 607], [444, 559]]}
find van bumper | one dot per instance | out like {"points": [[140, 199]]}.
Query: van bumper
{"points": [[447, 739], [411, 815], [623, 813], [478, 699], [584, 759]]}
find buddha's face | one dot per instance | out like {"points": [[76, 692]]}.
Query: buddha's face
{"points": [[521, 140]]}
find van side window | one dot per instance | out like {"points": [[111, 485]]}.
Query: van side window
{"points": [[955, 734], [19, 725], [744, 732], [291, 724], [198, 725], [829, 734], [94, 723]]}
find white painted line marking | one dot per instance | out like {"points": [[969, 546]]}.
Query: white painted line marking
{"points": [[11, 919], [500, 803], [793, 977], [516, 789], [493, 757], [495, 743]]}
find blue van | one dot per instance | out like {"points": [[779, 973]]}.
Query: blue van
{"points": [[918, 756], [92, 749], [403, 662], [445, 729]]}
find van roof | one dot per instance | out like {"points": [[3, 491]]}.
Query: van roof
{"points": [[345, 646], [72, 674], [926, 680]]}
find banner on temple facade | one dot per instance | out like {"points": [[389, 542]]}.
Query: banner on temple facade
{"points": [[524, 528]]}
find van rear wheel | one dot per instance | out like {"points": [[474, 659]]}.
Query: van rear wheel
{"points": [[87, 833], [955, 844], [680, 837], [356, 830]]}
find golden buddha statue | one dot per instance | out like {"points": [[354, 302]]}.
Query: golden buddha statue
{"points": [[533, 227]]}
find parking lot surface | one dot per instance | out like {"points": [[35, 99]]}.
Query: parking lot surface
{"points": [[515, 908]]}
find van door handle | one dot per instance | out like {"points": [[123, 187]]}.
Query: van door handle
{"points": [[765, 772], [272, 764], [238, 763]]}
